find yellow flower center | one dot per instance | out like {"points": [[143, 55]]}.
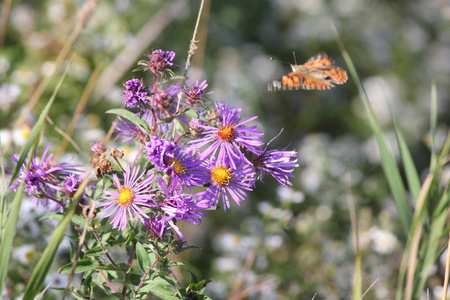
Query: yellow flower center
{"points": [[126, 196], [221, 175], [177, 166], [226, 133]]}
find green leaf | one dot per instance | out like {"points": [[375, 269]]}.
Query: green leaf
{"points": [[52, 216], [87, 264], [163, 292], [79, 220], [130, 117], [95, 251], [142, 257], [194, 114]]}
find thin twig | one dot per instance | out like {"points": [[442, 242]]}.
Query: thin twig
{"points": [[127, 274], [367, 290], [192, 46], [103, 248]]}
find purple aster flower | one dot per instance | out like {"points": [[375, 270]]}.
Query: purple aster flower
{"points": [[195, 92], [157, 149], [71, 184], [129, 132], [98, 147], [278, 163], [175, 205], [44, 177], [156, 225], [135, 93], [229, 136], [133, 133], [228, 179], [180, 164], [158, 61], [126, 201]]}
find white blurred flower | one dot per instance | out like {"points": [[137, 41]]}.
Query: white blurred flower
{"points": [[289, 195], [21, 134], [323, 212], [5, 137], [273, 242], [56, 11], [383, 241], [372, 152], [56, 280], [23, 76], [226, 264], [25, 253], [8, 94], [4, 66], [22, 18], [48, 68]]}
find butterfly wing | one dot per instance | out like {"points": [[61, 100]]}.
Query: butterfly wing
{"points": [[318, 73], [320, 60], [336, 75], [325, 64], [296, 80]]}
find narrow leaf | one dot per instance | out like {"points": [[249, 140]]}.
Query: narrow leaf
{"points": [[388, 163], [129, 116], [410, 170], [142, 257]]}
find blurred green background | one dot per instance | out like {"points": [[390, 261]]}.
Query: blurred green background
{"points": [[281, 243]]}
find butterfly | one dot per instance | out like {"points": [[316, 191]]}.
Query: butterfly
{"points": [[318, 73]]}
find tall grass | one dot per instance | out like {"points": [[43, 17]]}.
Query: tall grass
{"points": [[425, 219]]}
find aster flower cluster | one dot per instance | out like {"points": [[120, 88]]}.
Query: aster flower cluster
{"points": [[192, 156], [187, 142]]}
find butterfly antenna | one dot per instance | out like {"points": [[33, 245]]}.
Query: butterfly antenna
{"points": [[295, 58], [280, 61]]}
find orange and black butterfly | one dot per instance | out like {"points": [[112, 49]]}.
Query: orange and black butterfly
{"points": [[318, 73]]}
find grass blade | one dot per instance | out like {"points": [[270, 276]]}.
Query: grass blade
{"points": [[388, 163], [8, 234], [40, 271], [412, 176]]}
